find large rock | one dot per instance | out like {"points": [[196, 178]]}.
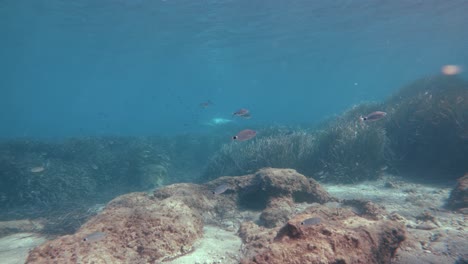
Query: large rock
{"points": [[272, 190], [135, 228], [139, 228], [458, 199], [339, 237], [256, 190]]}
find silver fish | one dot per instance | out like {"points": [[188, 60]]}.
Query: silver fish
{"points": [[93, 237], [245, 135], [311, 221], [221, 189], [374, 116]]}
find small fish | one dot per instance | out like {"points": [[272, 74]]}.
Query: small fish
{"points": [[37, 169], [245, 113], [221, 189], [206, 104], [311, 221], [93, 237], [245, 135], [374, 116]]}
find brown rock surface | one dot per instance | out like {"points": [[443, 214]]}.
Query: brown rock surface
{"points": [[365, 209], [278, 212], [140, 228], [342, 238], [288, 182], [137, 228], [271, 190], [458, 199]]}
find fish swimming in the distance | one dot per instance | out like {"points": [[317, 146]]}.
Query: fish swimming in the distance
{"points": [[245, 135], [221, 189], [245, 113], [374, 116], [206, 104]]}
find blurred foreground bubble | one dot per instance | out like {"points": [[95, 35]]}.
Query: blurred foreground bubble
{"points": [[451, 69]]}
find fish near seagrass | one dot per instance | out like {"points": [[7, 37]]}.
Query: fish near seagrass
{"points": [[245, 134], [374, 116], [245, 113]]}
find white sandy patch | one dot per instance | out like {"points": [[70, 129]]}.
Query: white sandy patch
{"points": [[439, 241], [14, 248], [406, 199], [216, 246]]}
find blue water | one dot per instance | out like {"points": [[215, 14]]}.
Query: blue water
{"points": [[142, 67]]}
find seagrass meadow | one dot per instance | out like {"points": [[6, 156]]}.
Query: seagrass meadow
{"points": [[424, 134]]}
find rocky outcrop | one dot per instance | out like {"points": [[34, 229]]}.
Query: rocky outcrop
{"points": [[133, 228], [339, 237], [294, 224], [273, 191], [458, 199]]}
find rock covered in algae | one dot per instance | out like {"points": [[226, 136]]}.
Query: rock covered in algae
{"points": [[275, 189], [337, 238], [139, 228], [133, 228]]}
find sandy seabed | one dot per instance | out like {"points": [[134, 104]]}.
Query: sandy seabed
{"points": [[14, 248]]}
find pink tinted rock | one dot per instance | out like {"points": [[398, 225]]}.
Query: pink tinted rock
{"points": [[138, 229], [349, 240]]}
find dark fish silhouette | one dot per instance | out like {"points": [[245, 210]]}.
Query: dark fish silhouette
{"points": [[374, 116], [245, 135]]}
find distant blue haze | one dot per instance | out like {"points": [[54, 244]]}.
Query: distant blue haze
{"points": [[142, 67]]}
